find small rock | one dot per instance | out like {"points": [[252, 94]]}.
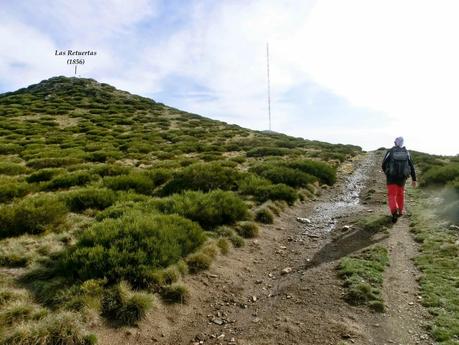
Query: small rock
{"points": [[254, 298], [454, 227], [256, 320], [258, 281], [303, 220], [218, 321], [283, 247], [346, 227], [221, 336], [286, 270], [411, 303]]}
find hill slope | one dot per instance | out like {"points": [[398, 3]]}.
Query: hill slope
{"points": [[99, 187]]}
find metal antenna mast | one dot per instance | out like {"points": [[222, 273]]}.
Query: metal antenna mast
{"points": [[269, 87]]}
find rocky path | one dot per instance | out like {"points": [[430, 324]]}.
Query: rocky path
{"points": [[282, 288]]}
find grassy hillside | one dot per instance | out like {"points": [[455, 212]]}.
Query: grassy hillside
{"points": [[107, 199]]}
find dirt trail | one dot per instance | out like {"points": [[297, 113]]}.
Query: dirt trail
{"points": [[246, 299]]}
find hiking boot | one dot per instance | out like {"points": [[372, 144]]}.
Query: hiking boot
{"points": [[394, 217]]}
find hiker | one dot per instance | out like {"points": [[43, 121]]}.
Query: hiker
{"points": [[397, 166]]}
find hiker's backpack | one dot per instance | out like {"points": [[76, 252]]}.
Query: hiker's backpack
{"points": [[398, 165]]}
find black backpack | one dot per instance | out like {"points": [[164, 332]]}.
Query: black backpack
{"points": [[398, 165]]}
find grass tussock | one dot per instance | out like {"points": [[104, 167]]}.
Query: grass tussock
{"points": [[439, 263], [124, 306], [60, 328], [264, 215], [198, 262], [363, 277], [375, 223], [175, 293]]}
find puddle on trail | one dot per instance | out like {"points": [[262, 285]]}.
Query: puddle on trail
{"points": [[325, 215]]}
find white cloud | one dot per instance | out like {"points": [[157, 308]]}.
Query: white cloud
{"points": [[398, 58]]}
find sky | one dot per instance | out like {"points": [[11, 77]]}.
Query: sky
{"points": [[356, 72]]}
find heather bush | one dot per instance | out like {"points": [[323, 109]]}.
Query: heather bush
{"points": [[95, 198], [11, 188], [441, 175], [282, 174], [40, 163], [208, 209], [78, 178], [267, 151], [276, 192], [31, 215], [203, 177], [110, 170], [8, 168], [43, 175], [323, 171], [135, 181], [132, 247]]}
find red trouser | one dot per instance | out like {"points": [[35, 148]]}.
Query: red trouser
{"points": [[395, 197]]}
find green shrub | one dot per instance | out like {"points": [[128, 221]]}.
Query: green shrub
{"points": [[441, 175], [44, 175], [103, 155], [7, 168], [267, 151], [264, 215], [41, 163], [323, 171], [9, 149], [208, 209], [198, 262], [282, 174], [138, 182], [82, 199], [131, 247], [159, 176], [31, 215], [250, 184], [175, 293], [202, 177], [63, 328], [247, 229], [11, 188], [110, 170], [77, 178], [276, 192], [122, 305]]}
